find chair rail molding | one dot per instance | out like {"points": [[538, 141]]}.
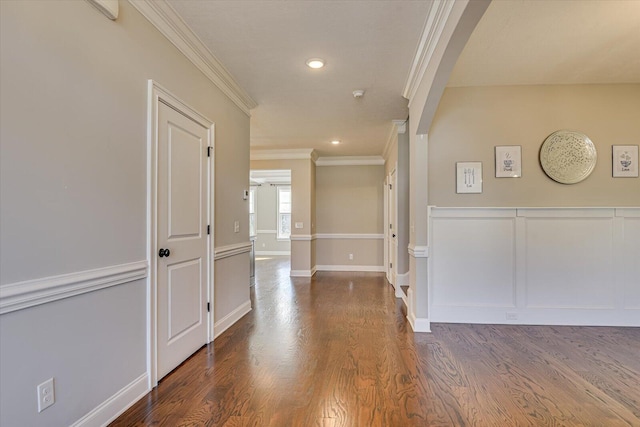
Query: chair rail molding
{"points": [[21, 295], [231, 250]]}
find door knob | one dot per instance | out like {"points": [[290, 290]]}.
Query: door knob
{"points": [[393, 235], [164, 252]]}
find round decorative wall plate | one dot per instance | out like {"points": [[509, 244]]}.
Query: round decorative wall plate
{"points": [[568, 157]]}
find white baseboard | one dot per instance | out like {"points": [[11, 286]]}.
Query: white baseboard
{"points": [[363, 268], [227, 321], [272, 253], [402, 279], [419, 324], [114, 406], [303, 273]]}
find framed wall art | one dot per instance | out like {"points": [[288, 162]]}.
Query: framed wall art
{"points": [[625, 161], [468, 177], [508, 161]]}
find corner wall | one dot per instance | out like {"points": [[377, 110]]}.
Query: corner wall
{"points": [[350, 218], [530, 250], [73, 200]]}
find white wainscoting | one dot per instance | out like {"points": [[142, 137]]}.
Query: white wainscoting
{"points": [[556, 266]]}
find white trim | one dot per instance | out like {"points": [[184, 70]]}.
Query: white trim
{"points": [[170, 24], [349, 236], [302, 237], [303, 273], [114, 406], [227, 321], [418, 251], [266, 231], [419, 324], [267, 253], [293, 154], [231, 250], [399, 126], [400, 294], [628, 212], [363, 268], [433, 29], [108, 8], [402, 279], [156, 95], [21, 295], [350, 161]]}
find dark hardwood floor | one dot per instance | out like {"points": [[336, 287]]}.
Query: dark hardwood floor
{"points": [[336, 350]]}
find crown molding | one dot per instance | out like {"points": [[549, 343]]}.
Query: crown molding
{"points": [[399, 126], [293, 154], [350, 161], [172, 26], [433, 29]]}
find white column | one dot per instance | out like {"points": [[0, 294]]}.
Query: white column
{"points": [[418, 295]]}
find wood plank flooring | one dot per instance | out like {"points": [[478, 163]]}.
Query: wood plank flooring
{"points": [[335, 350]]}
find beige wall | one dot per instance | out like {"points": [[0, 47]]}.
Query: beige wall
{"points": [[349, 200], [74, 191], [470, 122]]}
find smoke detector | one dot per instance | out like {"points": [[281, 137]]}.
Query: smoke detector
{"points": [[358, 93]]}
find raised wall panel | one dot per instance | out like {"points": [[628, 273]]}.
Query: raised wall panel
{"points": [[474, 262], [569, 263], [631, 265], [540, 266], [185, 302], [186, 151]]}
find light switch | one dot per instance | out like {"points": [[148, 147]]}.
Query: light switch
{"points": [[236, 226], [299, 225]]}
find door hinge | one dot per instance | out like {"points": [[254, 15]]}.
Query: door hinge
{"points": [[390, 226], [390, 265], [390, 187], [209, 151], [208, 307], [208, 229]]}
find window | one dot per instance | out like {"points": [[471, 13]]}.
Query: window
{"points": [[284, 212], [252, 211]]}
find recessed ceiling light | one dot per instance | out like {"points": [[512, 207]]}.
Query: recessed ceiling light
{"points": [[335, 142], [315, 63]]}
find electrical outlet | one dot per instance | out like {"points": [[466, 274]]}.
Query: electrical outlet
{"points": [[236, 226], [512, 316], [299, 225], [350, 257], [46, 395]]}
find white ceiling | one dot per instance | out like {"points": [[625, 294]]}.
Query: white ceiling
{"points": [[367, 45], [370, 45], [553, 42]]}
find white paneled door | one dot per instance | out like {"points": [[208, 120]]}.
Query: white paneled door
{"points": [[182, 269]]}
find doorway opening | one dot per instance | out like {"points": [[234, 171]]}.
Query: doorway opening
{"points": [[270, 222]]}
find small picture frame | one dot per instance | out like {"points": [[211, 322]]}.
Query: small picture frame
{"points": [[508, 161], [625, 161], [468, 177]]}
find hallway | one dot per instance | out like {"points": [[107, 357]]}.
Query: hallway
{"points": [[334, 350]]}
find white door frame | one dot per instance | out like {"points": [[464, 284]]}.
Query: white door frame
{"points": [[386, 227], [156, 95], [392, 226]]}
